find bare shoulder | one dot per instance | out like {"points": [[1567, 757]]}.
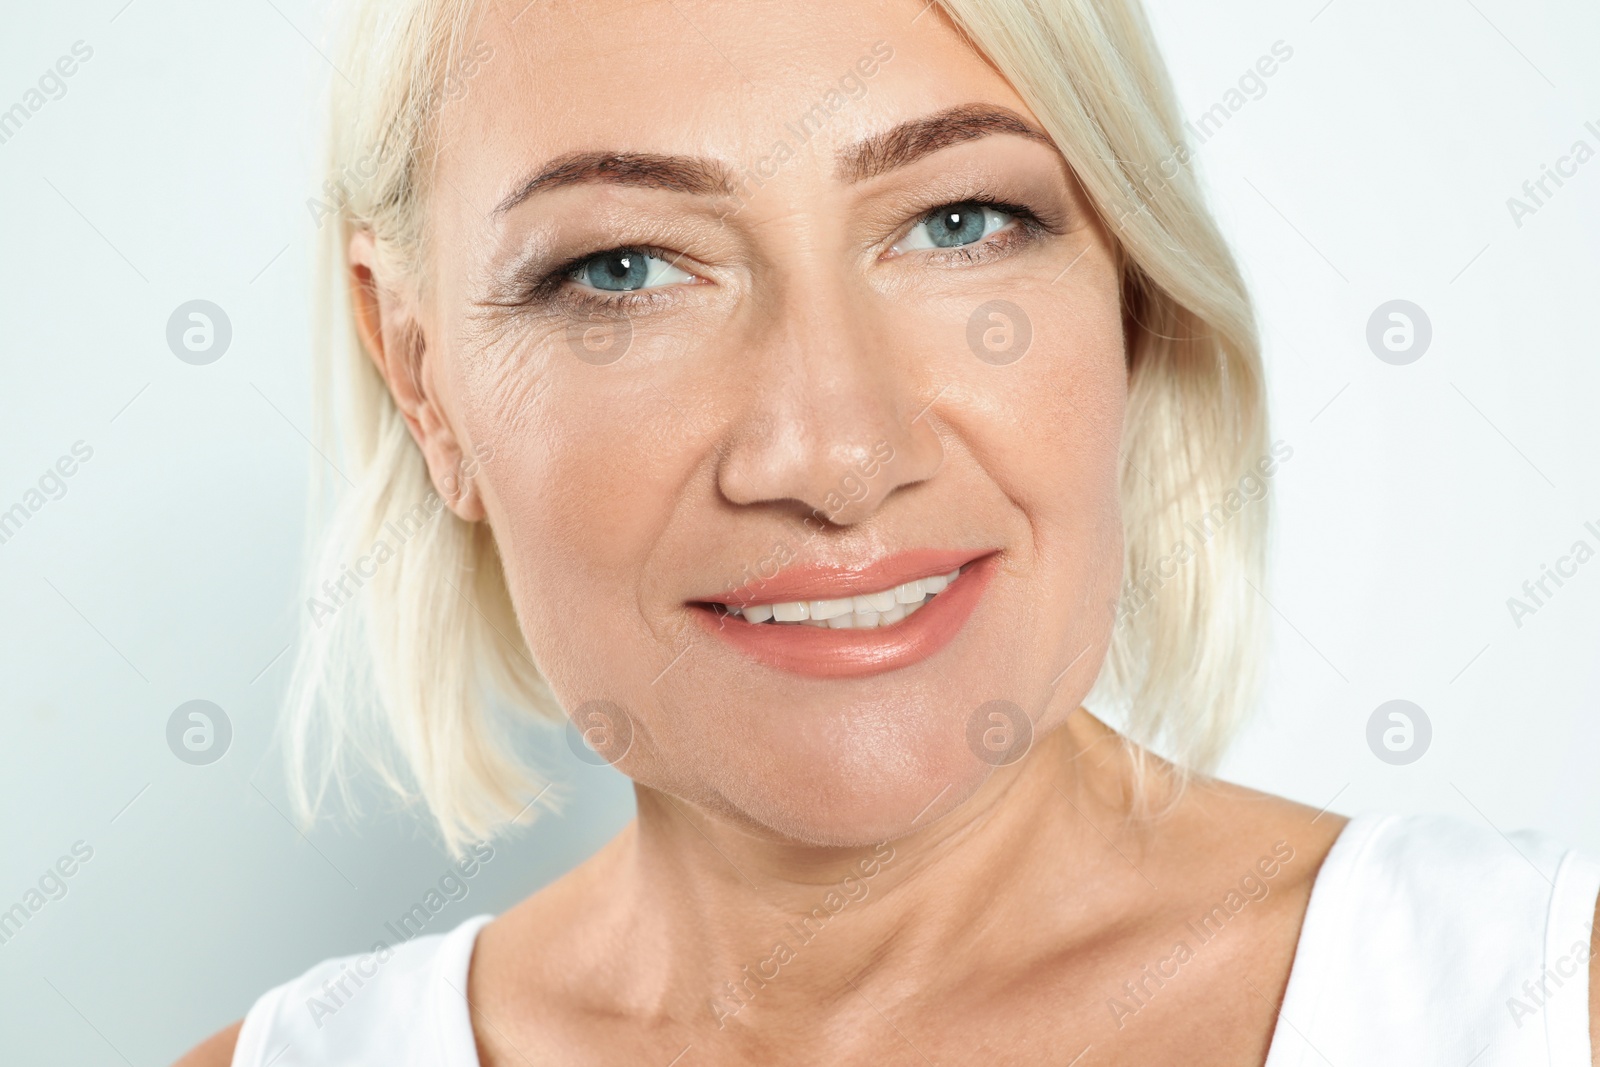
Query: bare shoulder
{"points": [[1594, 988], [1231, 823], [1247, 861], [214, 1051]]}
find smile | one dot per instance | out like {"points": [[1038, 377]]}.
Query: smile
{"points": [[839, 622], [883, 608]]}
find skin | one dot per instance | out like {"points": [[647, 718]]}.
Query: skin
{"points": [[1016, 900]]}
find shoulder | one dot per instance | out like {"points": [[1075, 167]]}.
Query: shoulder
{"points": [[1427, 933], [392, 1005], [214, 1051]]}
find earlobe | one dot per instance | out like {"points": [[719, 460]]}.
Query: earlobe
{"points": [[388, 325]]}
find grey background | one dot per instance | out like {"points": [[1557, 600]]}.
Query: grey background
{"points": [[1376, 166]]}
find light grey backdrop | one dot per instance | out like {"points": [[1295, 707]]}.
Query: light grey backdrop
{"points": [[1375, 164]]}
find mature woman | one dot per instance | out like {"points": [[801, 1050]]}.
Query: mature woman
{"points": [[816, 401]]}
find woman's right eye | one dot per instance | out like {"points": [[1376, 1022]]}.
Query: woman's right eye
{"points": [[954, 226], [625, 270]]}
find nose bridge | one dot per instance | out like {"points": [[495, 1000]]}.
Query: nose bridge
{"points": [[830, 422]]}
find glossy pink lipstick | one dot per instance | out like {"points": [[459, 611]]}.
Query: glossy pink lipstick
{"points": [[917, 630]]}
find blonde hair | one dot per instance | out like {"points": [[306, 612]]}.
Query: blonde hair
{"points": [[405, 676]]}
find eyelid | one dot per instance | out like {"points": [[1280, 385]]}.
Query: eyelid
{"points": [[1023, 225], [669, 260], [557, 284], [930, 216]]}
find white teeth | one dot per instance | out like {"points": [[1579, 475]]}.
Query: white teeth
{"points": [[910, 593], [853, 613], [791, 611], [830, 609], [874, 602]]}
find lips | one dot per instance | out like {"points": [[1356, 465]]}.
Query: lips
{"points": [[829, 652]]}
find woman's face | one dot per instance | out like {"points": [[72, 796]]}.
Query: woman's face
{"points": [[713, 285]]}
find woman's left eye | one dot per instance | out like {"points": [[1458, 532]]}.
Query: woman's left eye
{"points": [[953, 226], [624, 270]]}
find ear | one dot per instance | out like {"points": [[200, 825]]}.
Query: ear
{"points": [[388, 325]]}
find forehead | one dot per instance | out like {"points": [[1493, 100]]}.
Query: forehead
{"points": [[745, 82]]}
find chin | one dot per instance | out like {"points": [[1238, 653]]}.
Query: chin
{"points": [[861, 776]]}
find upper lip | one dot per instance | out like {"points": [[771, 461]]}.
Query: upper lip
{"points": [[831, 581]]}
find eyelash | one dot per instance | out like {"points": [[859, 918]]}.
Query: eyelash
{"points": [[554, 285], [1030, 227]]}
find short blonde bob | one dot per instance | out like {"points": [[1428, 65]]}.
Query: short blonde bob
{"points": [[411, 660]]}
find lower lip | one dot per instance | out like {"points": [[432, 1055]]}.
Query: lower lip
{"points": [[827, 653]]}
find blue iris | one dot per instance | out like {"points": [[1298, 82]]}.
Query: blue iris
{"points": [[956, 225], [616, 271]]}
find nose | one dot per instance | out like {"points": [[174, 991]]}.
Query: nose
{"points": [[835, 419]]}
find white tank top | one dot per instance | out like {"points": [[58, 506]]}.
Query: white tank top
{"points": [[1427, 941]]}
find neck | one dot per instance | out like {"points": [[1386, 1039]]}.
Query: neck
{"points": [[748, 929]]}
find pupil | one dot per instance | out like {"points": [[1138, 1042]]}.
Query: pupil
{"points": [[959, 225], [619, 271]]}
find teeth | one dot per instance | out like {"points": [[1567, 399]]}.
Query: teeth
{"points": [[853, 613], [791, 611], [874, 602], [830, 609]]}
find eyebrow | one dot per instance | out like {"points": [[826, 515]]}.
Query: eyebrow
{"points": [[679, 174], [878, 154], [910, 141]]}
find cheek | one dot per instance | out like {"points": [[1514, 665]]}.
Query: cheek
{"points": [[583, 480], [1046, 428], [1048, 431]]}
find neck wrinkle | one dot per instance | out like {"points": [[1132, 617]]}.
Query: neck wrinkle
{"points": [[709, 904]]}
